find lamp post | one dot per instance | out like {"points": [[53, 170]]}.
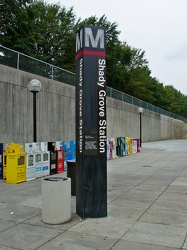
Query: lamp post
{"points": [[34, 86], [140, 110]]}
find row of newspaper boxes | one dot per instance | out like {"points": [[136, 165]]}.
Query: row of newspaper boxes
{"points": [[122, 146], [19, 163], [24, 162]]}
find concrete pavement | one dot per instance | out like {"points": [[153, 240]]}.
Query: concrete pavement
{"points": [[147, 207]]}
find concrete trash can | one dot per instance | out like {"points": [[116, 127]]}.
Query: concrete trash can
{"points": [[56, 200]]}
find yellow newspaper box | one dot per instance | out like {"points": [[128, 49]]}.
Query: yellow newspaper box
{"points": [[14, 148], [15, 168], [129, 144]]}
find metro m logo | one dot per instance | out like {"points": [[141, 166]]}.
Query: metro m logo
{"points": [[94, 42], [90, 41]]}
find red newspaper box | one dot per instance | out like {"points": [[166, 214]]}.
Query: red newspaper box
{"points": [[60, 161]]}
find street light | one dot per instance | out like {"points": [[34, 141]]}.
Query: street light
{"points": [[34, 86], [140, 110]]}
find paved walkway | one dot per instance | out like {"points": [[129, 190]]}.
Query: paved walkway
{"points": [[147, 207]]}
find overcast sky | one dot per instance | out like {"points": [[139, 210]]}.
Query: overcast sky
{"points": [[159, 27]]}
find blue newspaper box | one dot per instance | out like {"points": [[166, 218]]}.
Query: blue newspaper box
{"points": [[65, 148], [73, 149]]}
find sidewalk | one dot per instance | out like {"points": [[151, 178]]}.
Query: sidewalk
{"points": [[147, 207]]}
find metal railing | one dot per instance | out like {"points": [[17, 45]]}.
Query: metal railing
{"points": [[139, 103], [32, 65], [29, 64]]}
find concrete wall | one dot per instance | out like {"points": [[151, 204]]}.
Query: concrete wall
{"points": [[56, 113], [55, 108]]}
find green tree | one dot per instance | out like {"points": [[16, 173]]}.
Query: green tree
{"points": [[135, 73], [173, 99], [183, 103], [45, 31], [55, 26], [16, 24], [140, 84], [118, 59], [55, 32], [159, 93]]}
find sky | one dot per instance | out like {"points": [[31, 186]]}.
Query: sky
{"points": [[158, 27]]}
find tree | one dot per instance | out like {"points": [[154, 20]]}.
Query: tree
{"points": [[173, 99], [41, 30], [54, 29], [140, 84], [16, 24], [159, 93]]}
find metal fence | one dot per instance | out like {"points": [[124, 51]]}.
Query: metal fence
{"points": [[29, 64], [139, 103]]}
